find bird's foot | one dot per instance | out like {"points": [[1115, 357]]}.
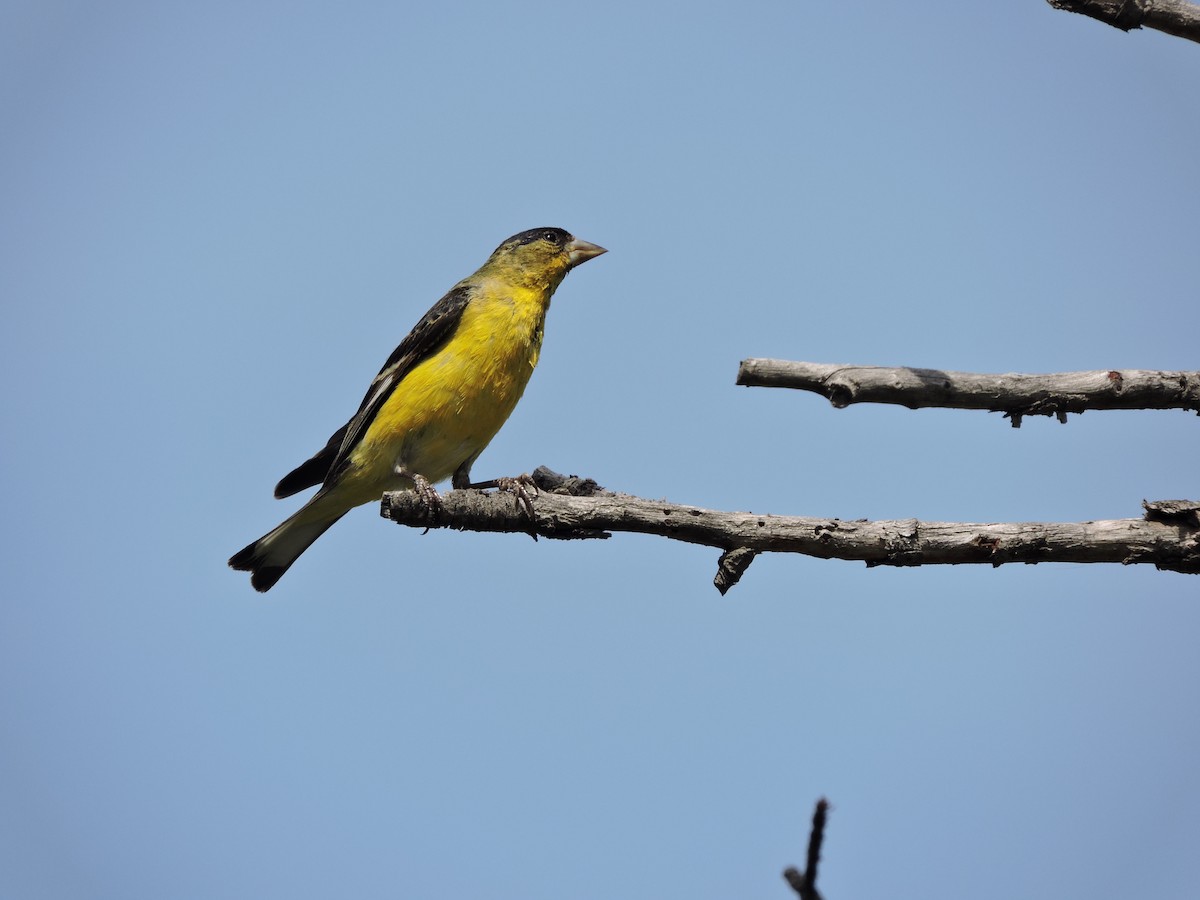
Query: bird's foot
{"points": [[522, 487], [428, 496]]}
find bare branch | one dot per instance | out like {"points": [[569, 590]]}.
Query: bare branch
{"points": [[1013, 394], [1168, 536], [805, 883], [1175, 17]]}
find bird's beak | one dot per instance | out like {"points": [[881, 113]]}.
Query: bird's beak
{"points": [[581, 251]]}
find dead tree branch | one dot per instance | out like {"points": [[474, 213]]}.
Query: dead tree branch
{"points": [[805, 883], [1013, 394], [1168, 536], [1175, 17]]}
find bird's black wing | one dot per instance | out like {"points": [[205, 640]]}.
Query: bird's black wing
{"points": [[313, 470], [427, 337]]}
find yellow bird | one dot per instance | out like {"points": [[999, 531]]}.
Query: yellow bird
{"points": [[438, 400]]}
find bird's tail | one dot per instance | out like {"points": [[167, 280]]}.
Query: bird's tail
{"points": [[272, 554]]}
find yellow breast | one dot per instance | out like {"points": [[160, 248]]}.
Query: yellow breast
{"points": [[449, 407]]}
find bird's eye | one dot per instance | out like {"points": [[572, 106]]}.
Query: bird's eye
{"points": [[552, 237]]}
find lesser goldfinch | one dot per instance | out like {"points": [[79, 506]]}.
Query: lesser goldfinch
{"points": [[438, 400]]}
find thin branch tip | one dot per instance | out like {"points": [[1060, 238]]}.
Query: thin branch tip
{"points": [[805, 883], [1176, 17]]}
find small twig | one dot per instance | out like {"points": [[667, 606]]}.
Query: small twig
{"points": [[1175, 17], [1016, 395], [805, 883], [1168, 536]]}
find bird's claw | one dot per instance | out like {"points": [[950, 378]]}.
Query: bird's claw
{"points": [[520, 487], [429, 496]]}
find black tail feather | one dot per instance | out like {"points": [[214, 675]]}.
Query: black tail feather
{"points": [[273, 554], [262, 577]]}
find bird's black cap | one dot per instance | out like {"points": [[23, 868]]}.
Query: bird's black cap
{"points": [[556, 236]]}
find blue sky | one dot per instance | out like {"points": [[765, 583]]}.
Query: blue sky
{"points": [[218, 219]]}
